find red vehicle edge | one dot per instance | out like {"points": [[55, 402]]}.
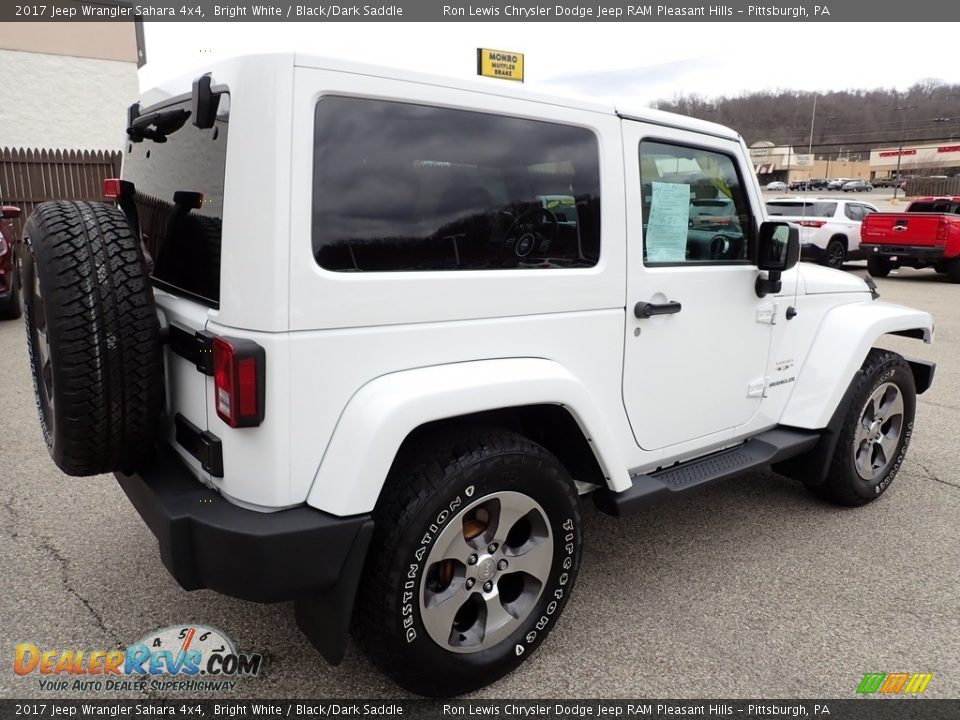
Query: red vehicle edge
{"points": [[10, 305], [926, 234]]}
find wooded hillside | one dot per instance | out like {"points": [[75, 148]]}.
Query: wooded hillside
{"points": [[852, 120]]}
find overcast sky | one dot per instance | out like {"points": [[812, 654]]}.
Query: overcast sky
{"points": [[643, 62]]}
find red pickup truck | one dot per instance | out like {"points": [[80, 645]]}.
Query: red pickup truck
{"points": [[927, 234]]}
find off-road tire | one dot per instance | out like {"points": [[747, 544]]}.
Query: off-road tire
{"points": [[844, 484], [879, 266], [430, 482], [11, 308], [85, 282]]}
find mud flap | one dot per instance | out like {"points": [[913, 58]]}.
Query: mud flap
{"points": [[325, 618]]}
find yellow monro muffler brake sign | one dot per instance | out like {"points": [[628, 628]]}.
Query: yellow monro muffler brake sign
{"points": [[500, 64]]}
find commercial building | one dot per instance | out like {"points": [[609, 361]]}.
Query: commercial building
{"points": [[923, 160], [780, 162]]}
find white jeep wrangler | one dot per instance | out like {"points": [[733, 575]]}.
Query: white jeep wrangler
{"points": [[359, 338]]}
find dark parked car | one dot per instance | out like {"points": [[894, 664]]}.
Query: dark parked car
{"points": [[9, 266], [816, 184], [857, 186], [798, 185]]}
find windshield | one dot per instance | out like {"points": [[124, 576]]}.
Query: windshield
{"points": [[178, 173]]}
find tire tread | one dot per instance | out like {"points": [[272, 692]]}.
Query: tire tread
{"points": [[104, 332]]}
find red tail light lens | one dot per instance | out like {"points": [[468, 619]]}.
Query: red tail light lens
{"points": [[111, 188], [238, 380], [812, 223], [943, 230]]}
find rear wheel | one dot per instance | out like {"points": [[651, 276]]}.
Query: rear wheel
{"points": [[475, 552], [93, 337], [835, 254], [953, 270], [875, 434], [879, 266]]}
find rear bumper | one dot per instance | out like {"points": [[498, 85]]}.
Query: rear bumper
{"points": [[207, 542], [920, 252]]}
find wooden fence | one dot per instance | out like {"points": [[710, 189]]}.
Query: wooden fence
{"points": [[933, 186], [30, 177]]}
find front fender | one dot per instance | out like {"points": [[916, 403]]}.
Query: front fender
{"points": [[384, 411], [842, 342]]}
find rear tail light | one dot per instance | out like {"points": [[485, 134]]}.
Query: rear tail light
{"points": [[117, 189], [111, 188], [943, 231], [238, 379], [812, 223]]}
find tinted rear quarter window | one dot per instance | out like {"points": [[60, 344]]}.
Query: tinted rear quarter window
{"points": [[405, 187]]}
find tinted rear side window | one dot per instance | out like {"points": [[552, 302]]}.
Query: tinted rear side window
{"points": [[179, 198], [802, 209], [398, 186]]}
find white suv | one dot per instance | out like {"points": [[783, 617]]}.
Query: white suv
{"points": [[395, 324], [829, 228]]}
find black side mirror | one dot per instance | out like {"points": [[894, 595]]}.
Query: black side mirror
{"points": [[778, 250]]}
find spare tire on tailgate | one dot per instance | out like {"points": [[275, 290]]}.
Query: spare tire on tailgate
{"points": [[93, 337]]}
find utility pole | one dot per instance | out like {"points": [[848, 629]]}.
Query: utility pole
{"points": [[903, 137], [813, 118]]}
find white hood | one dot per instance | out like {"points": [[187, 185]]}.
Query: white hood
{"points": [[818, 280]]}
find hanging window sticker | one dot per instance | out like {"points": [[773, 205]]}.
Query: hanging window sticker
{"points": [[666, 239]]}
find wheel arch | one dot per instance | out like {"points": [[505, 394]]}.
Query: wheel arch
{"points": [[532, 396], [846, 335], [841, 237]]}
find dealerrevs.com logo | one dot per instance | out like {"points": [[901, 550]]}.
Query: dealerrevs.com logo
{"points": [[180, 657]]}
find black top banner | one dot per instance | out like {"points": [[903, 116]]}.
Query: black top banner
{"points": [[480, 11]]}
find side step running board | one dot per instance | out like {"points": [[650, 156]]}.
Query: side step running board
{"points": [[764, 449]]}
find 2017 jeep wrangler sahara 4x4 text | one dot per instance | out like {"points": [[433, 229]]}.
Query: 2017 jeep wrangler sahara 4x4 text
{"points": [[360, 338]]}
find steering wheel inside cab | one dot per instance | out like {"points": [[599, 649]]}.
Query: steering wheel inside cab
{"points": [[724, 247], [531, 234]]}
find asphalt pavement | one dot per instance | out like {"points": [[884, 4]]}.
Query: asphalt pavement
{"points": [[751, 588]]}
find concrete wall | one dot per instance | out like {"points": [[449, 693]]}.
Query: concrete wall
{"points": [[58, 101]]}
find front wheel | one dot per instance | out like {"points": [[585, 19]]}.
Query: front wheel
{"points": [[10, 308], [875, 433], [475, 552]]}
